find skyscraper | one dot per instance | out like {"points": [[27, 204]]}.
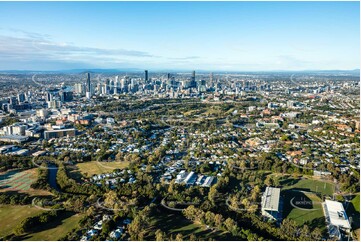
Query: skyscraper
{"points": [[146, 75], [49, 97], [21, 97], [88, 87], [88, 82], [193, 83]]}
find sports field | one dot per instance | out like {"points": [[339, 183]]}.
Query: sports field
{"points": [[303, 208], [310, 185], [20, 181], [17, 180], [11, 215]]}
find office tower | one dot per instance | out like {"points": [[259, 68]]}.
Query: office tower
{"points": [[146, 75], [88, 86], [21, 97], [54, 104], [49, 97], [193, 83], [88, 82], [66, 96], [79, 88]]}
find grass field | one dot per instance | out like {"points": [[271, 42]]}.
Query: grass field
{"points": [[304, 208], [88, 169], [11, 215], [309, 185], [20, 181], [56, 229]]}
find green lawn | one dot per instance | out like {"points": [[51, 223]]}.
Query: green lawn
{"points": [[310, 185], [56, 229], [20, 181], [303, 208], [88, 169], [12, 215]]}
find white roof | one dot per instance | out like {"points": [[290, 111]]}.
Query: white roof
{"points": [[336, 213], [271, 198]]}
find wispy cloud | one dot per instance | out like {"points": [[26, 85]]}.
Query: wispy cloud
{"points": [[22, 46], [185, 58], [19, 46]]}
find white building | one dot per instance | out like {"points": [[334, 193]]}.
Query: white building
{"points": [[336, 218], [271, 203]]}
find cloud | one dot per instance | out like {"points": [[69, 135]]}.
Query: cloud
{"points": [[185, 58], [18, 47]]}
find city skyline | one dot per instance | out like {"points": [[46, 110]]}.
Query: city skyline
{"points": [[224, 36]]}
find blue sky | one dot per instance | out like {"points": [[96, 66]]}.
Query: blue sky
{"points": [[239, 36]]}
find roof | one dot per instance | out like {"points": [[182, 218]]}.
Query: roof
{"points": [[58, 130], [271, 198], [336, 213], [14, 137]]}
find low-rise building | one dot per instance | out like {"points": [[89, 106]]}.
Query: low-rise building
{"points": [[271, 203], [336, 219]]}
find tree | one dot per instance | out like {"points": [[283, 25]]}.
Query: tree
{"points": [[305, 233], [119, 156], [288, 227], [90, 211], [234, 202], [268, 181], [316, 234], [276, 181], [255, 193], [218, 221], [160, 235], [209, 218], [111, 200], [179, 237], [192, 237], [231, 226], [212, 194]]}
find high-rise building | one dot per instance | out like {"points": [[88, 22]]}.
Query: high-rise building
{"points": [[193, 83], [146, 75], [79, 88], [66, 96], [49, 97], [21, 97], [88, 82], [88, 93]]}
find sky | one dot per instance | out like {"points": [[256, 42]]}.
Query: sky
{"points": [[227, 36]]}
